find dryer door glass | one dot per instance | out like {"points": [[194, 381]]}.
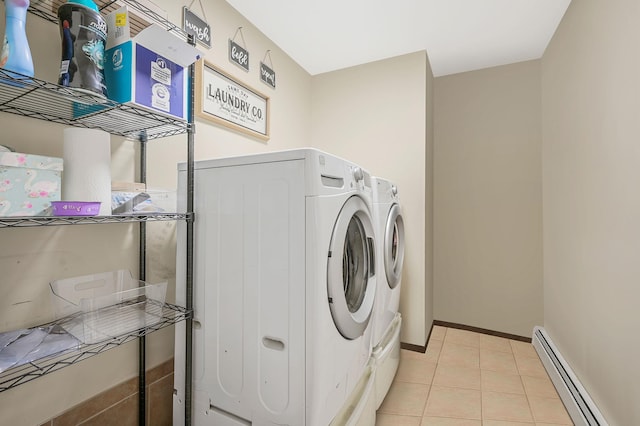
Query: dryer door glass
{"points": [[394, 246], [351, 269], [355, 264]]}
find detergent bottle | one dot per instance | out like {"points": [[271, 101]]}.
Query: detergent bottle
{"points": [[83, 32]]}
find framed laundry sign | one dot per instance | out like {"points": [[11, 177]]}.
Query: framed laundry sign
{"points": [[221, 99]]}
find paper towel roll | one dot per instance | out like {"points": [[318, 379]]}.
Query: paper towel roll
{"points": [[87, 167]]}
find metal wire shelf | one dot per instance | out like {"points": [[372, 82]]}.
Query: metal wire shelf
{"points": [[39, 99], [27, 221], [13, 377]]}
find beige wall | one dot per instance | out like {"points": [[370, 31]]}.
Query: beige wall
{"points": [[374, 115], [591, 203], [487, 237]]}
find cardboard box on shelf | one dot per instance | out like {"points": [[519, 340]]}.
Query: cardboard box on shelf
{"points": [[28, 184], [148, 70]]}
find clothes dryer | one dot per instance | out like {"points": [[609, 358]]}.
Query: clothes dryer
{"points": [[387, 320], [284, 289]]}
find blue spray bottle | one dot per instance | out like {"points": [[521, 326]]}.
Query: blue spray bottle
{"points": [[16, 55]]}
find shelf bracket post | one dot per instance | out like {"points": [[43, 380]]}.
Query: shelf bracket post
{"points": [[142, 269]]}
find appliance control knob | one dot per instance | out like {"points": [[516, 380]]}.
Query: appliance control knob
{"points": [[358, 174], [394, 190]]}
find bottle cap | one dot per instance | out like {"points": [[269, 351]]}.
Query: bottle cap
{"points": [[86, 3], [16, 8]]}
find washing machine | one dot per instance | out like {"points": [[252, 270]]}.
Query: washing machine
{"points": [[387, 321], [284, 290]]}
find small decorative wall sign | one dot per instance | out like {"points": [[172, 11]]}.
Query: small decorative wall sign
{"points": [[193, 24], [267, 74], [238, 54], [223, 100]]}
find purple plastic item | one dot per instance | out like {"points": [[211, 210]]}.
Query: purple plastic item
{"points": [[75, 208]]}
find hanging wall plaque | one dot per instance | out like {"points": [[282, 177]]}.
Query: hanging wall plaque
{"points": [[267, 74], [238, 55], [193, 24], [223, 100]]}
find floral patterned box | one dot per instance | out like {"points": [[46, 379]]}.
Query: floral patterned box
{"points": [[28, 184]]}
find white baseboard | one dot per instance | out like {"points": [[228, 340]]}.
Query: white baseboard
{"points": [[579, 405]]}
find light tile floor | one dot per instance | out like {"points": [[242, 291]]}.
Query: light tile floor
{"points": [[471, 379]]}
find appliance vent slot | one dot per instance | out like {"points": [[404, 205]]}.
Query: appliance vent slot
{"points": [[580, 406], [332, 181]]}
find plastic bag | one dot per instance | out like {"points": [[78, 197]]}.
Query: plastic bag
{"points": [[20, 347], [8, 337], [56, 341], [24, 346]]}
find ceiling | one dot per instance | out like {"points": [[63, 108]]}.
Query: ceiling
{"points": [[458, 35]]}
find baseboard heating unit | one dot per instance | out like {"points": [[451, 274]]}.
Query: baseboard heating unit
{"points": [[579, 405]]}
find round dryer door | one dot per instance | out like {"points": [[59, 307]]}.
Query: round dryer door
{"points": [[351, 268], [393, 252]]}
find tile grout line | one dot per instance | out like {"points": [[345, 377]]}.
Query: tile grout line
{"points": [[426, 402], [526, 394], [435, 369], [529, 402]]}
